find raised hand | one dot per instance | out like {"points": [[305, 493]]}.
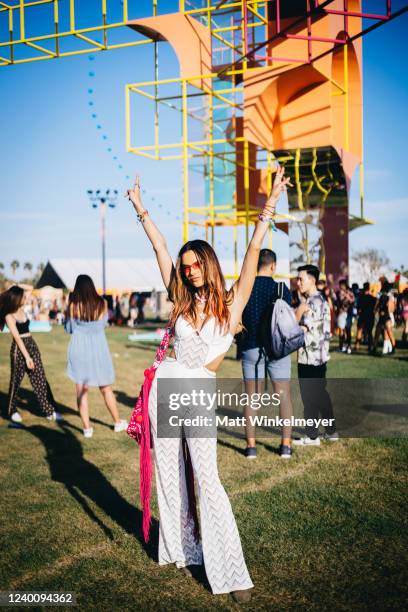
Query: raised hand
{"points": [[280, 184], [134, 194]]}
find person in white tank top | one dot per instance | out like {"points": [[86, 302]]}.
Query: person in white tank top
{"points": [[205, 318]]}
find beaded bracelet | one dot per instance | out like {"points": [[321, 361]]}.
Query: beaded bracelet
{"points": [[141, 216], [268, 219]]}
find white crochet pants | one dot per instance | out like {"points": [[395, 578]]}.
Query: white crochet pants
{"points": [[221, 546]]}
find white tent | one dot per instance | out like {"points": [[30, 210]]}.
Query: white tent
{"points": [[122, 275]]}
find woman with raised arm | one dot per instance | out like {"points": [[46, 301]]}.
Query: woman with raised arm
{"points": [[205, 317], [24, 355]]}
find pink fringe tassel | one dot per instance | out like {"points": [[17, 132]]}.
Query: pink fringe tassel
{"points": [[139, 430], [145, 457]]}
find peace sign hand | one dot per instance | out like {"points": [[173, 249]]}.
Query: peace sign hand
{"points": [[280, 184], [134, 194]]}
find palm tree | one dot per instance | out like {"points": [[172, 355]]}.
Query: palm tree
{"points": [[37, 275], [28, 266], [1, 265], [14, 265]]}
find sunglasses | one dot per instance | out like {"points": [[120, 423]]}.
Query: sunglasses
{"points": [[194, 267]]}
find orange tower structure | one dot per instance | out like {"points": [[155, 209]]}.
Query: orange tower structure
{"points": [[260, 81], [273, 80]]}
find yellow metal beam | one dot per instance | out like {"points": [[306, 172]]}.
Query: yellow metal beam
{"points": [[346, 100], [224, 41], [191, 144], [297, 180], [42, 49], [185, 162], [37, 42], [90, 41], [255, 12]]}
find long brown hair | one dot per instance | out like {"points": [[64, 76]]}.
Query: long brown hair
{"points": [[84, 303], [10, 302], [182, 293]]}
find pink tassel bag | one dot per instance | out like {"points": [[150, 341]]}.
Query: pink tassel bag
{"points": [[139, 430]]}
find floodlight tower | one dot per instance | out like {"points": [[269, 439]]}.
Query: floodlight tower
{"points": [[102, 200]]}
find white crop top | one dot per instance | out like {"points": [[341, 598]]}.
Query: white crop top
{"points": [[197, 348]]}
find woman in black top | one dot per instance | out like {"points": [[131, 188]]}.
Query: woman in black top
{"points": [[385, 308], [24, 355]]}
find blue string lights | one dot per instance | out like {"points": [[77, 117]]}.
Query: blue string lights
{"points": [[116, 159]]}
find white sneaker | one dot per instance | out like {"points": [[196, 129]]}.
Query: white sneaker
{"points": [[88, 433], [387, 347], [121, 426], [349, 351], [16, 417], [306, 441], [334, 437], [55, 416]]}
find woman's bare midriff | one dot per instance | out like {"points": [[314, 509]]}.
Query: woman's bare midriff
{"points": [[212, 366]]}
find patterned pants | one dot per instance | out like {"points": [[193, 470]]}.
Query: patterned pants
{"points": [[221, 545], [37, 377]]}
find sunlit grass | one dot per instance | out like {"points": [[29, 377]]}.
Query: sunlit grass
{"points": [[326, 530]]}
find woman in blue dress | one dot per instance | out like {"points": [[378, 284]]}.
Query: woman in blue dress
{"points": [[89, 359]]}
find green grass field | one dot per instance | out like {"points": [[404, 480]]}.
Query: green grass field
{"points": [[326, 530]]}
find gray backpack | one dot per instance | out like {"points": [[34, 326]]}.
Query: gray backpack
{"points": [[279, 334]]}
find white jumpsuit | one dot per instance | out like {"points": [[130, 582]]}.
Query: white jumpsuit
{"points": [[221, 546]]}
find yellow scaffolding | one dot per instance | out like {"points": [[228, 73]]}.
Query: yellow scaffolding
{"points": [[226, 22], [209, 215], [19, 47], [208, 133]]}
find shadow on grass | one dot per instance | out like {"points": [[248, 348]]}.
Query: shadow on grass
{"points": [[241, 451], [125, 399], [231, 358], [27, 401], [391, 409], [83, 481], [233, 447]]}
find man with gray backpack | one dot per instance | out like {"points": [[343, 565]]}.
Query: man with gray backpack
{"points": [[270, 334]]}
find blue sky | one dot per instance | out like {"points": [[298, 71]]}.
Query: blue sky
{"points": [[53, 151]]}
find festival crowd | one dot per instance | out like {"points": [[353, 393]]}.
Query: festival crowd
{"points": [[271, 324]]}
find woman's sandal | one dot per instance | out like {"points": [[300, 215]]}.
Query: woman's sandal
{"points": [[243, 596]]}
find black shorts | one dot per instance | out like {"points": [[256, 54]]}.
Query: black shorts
{"points": [[364, 323]]}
